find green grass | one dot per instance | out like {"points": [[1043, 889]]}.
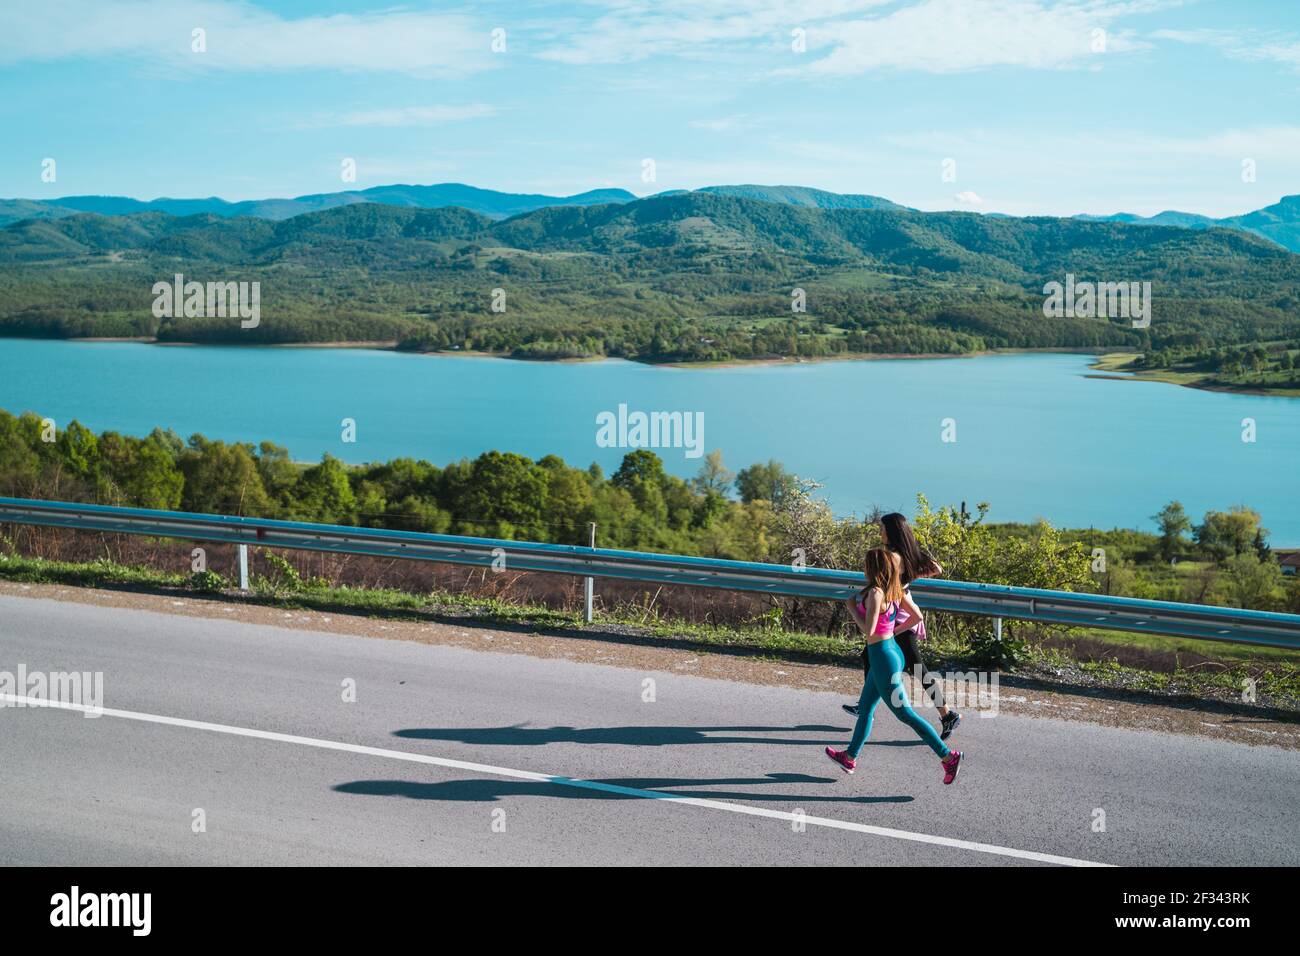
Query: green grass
{"points": [[1221, 650], [89, 575]]}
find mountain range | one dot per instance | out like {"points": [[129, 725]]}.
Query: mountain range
{"points": [[696, 276], [703, 222], [486, 202], [1279, 223]]}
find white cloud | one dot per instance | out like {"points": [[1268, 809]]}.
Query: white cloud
{"points": [[241, 37], [1120, 168], [407, 116], [843, 35], [849, 37], [724, 124], [969, 198], [951, 36], [1248, 45], [633, 30]]}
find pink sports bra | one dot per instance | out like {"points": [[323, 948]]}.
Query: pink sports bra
{"points": [[896, 616], [885, 622]]}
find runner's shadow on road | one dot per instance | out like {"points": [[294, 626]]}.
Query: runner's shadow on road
{"points": [[895, 743], [489, 791], [521, 735]]}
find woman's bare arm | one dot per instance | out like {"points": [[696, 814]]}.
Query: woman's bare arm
{"points": [[914, 615], [852, 604], [866, 623]]}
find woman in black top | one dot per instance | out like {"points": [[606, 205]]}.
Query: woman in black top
{"points": [[898, 537]]}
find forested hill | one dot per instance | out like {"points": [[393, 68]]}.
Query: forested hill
{"points": [[688, 276], [488, 202]]}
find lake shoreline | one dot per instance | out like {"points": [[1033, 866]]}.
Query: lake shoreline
{"points": [[391, 346], [874, 357], [1112, 372], [1108, 370]]}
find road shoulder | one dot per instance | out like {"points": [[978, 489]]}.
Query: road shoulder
{"points": [[1014, 695]]}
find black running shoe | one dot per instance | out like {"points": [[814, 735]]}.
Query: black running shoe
{"points": [[950, 723], [850, 709]]}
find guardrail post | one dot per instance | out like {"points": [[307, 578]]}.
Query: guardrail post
{"points": [[997, 628], [243, 567], [589, 584]]}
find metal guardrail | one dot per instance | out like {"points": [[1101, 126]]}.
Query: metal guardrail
{"points": [[992, 600]]}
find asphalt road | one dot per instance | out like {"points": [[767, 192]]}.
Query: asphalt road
{"points": [[452, 756]]}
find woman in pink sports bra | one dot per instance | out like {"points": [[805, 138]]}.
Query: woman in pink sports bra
{"points": [[915, 563], [885, 620], [875, 611]]}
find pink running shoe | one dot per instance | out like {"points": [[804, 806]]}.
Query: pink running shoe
{"points": [[847, 764], [951, 764]]}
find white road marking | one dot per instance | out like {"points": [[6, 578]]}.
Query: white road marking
{"points": [[494, 771]]}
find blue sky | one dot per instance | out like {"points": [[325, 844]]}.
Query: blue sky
{"points": [[1045, 107]]}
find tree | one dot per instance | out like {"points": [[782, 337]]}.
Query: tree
{"points": [[324, 494], [639, 465], [713, 475], [153, 479], [617, 518], [1173, 523], [569, 497], [642, 476], [681, 502], [418, 514], [1253, 582], [371, 504], [504, 493], [710, 507], [279, 473], [1225, 534], [767, 482], [78, 453], [222, 479], [1293, 596], [1260, 544], [168, 441], [20, 466]]}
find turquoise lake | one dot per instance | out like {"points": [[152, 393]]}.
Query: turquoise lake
{"points": [[1035, 437]]}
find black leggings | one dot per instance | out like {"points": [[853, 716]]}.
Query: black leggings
{"points": [[912, 658]]}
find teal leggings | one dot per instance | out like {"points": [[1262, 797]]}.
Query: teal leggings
{"points": [[885, 682]]}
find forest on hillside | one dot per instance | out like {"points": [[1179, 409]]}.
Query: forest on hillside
{"points": [[692, 277]]}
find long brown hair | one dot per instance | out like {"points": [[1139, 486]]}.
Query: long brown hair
{"points": [[899, 539], [881, 569]]}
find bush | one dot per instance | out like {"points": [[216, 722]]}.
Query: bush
{"points": [[283, 575], [988, 650], [970, 551], [208, 581]]}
